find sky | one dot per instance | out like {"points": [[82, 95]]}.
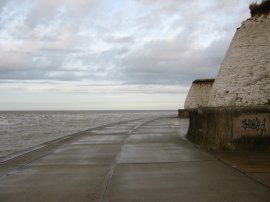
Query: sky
{"points": [[111, 54]]}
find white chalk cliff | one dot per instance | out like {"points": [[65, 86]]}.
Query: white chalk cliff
{"points": [[198, 94], [244, 76]]}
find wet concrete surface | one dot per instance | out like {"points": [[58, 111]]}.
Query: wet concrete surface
{"points": [[184, 181], [254, 164], [139, 160]]}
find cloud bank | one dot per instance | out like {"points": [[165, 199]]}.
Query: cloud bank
{"points": [[128, 46]]}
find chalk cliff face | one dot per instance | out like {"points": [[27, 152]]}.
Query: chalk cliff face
{"points": [[244, 76], [198, 94]]}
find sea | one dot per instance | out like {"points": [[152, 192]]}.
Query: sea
{"points": [[21, 130]]}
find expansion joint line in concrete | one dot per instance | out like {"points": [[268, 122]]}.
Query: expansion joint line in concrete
{"points": [[166, 162], [48, 147], [243, 172], [113, 167]]}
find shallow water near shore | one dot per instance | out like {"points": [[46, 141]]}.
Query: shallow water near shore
{"points": [[24, 129]]}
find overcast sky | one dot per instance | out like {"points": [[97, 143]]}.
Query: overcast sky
{"points": [[111, 54]]}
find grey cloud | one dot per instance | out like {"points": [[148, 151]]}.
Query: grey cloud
{"points": [[168, 6], [3, 4], [173, 62], [176, 7], [68, 65], [61, 50], [155, 48], [45, 74], [46, 11], [12, 59], [82, 87], [120, 40]]}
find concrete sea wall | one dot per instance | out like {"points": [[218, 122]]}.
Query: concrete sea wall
{"points": [[231, 128], [182, 113]]}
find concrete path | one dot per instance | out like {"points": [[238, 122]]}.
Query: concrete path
{"points": [[133, 161], [254, 164]]}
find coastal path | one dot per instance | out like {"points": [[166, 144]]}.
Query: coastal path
{"points": [[139, 160]]}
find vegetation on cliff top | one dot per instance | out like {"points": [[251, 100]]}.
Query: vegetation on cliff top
{"points": [[260, 9], [203, 81]]}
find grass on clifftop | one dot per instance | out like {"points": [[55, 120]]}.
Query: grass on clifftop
{"points": [[260, 9]]}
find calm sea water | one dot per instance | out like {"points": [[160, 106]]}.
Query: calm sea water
{"points": [[23, 129]]}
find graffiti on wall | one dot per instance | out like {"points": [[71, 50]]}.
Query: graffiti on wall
{"points": [[255, 124]]}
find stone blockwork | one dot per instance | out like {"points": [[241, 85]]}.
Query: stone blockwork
{"points": [[230, 128], [244, 76], [198, 94]]}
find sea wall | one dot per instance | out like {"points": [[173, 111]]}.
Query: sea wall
{"points": [[230, 128], [244, 76], [183, 113]]}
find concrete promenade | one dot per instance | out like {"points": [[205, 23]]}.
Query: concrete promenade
{"points": [[140, 160]]}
